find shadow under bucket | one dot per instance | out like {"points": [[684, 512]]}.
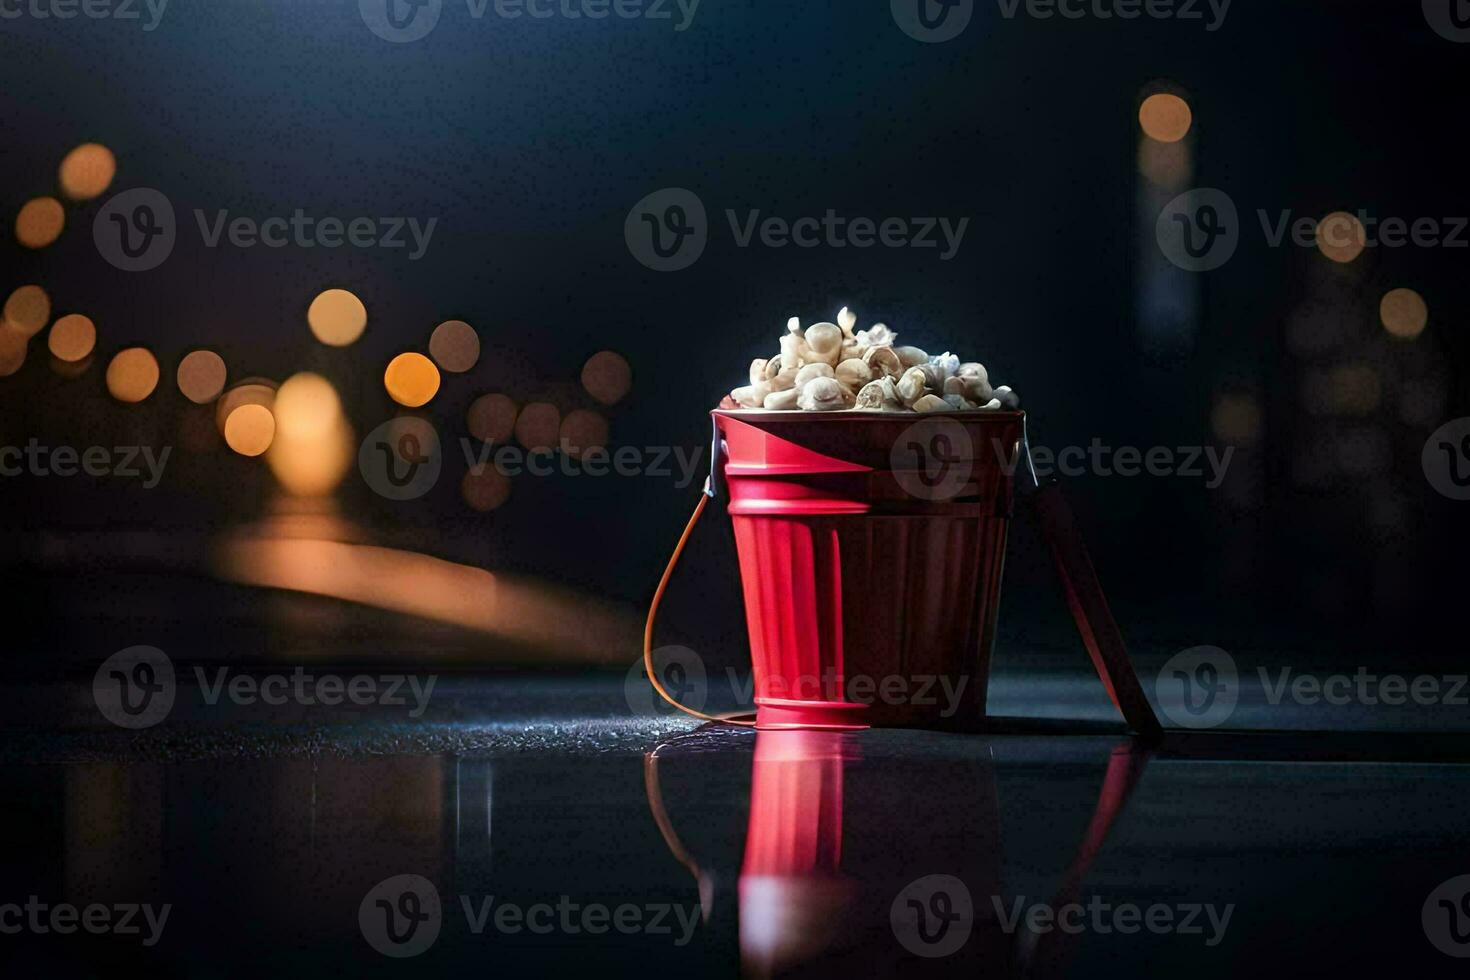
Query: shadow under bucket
{"points": [[871, 548]]}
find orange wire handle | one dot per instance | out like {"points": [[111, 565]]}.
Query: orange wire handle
{"points": [[658, 595]]}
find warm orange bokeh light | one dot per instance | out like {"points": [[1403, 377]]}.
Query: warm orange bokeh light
{"points": [[484, 488], [582, 430], [87, 171], [132, 375], [1404, 313], [250, 429], [455, 346], [27, 310], [12, 349], [39, 222], [1165, 117], [492, 418], [72, 337], [1341, 237], [312, 449], [538, 427], [336, 317], [607, 377], [201, 376], [249, 391], [411, 379]]}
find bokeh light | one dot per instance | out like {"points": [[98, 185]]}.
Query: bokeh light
{"points": [[312, 447], [1404, 313], [607, 377], [72, 338], [201, 376], [1236, 420], [336, 317], [1166, 165], [538, 427], [492, 418], [87, 171], [1341, 236], [1165, 117], [582, 430], [249, 391], [250, 429], [132, 375], [455, 346], [39, 222], [484, 488], [27, 310], [411, 379], [12, 349]]}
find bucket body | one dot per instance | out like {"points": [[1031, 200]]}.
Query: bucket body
{"points": [[871, 547]]}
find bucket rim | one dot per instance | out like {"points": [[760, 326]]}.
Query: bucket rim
{"points": [[852, 414]]}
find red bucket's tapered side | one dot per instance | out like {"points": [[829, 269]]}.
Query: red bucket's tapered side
{"points": [[870, 597]]}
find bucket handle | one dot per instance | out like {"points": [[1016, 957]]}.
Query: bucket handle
{"points": [[658, 595]]}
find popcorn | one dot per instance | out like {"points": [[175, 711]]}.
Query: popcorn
{"points": [[828, 367]]}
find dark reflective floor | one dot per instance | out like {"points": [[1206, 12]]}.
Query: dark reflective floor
{"points": [[560, 834]]}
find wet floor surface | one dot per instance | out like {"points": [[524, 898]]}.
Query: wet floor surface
{"points": [[536, 826]]}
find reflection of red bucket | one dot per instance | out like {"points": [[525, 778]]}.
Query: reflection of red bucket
{"points": [[871, 547]]}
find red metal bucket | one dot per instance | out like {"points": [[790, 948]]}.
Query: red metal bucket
{"points": [[871, 547]]}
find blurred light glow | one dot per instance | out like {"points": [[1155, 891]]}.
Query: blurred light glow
{"points": [[132, 375], [201, 376], [72, 338], [455, 346], [312, 449], [250, 429], [607, 377], [1166, 165], [582, 430], [1404, 313], [250, 391], [484, 488], [492, 418], [28, 309], [87, 171], [538, 427], [336, 317], [1236, 420], [39, 222], [1165, 117], [1341, 236], [411, 379], [13, 345]]}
